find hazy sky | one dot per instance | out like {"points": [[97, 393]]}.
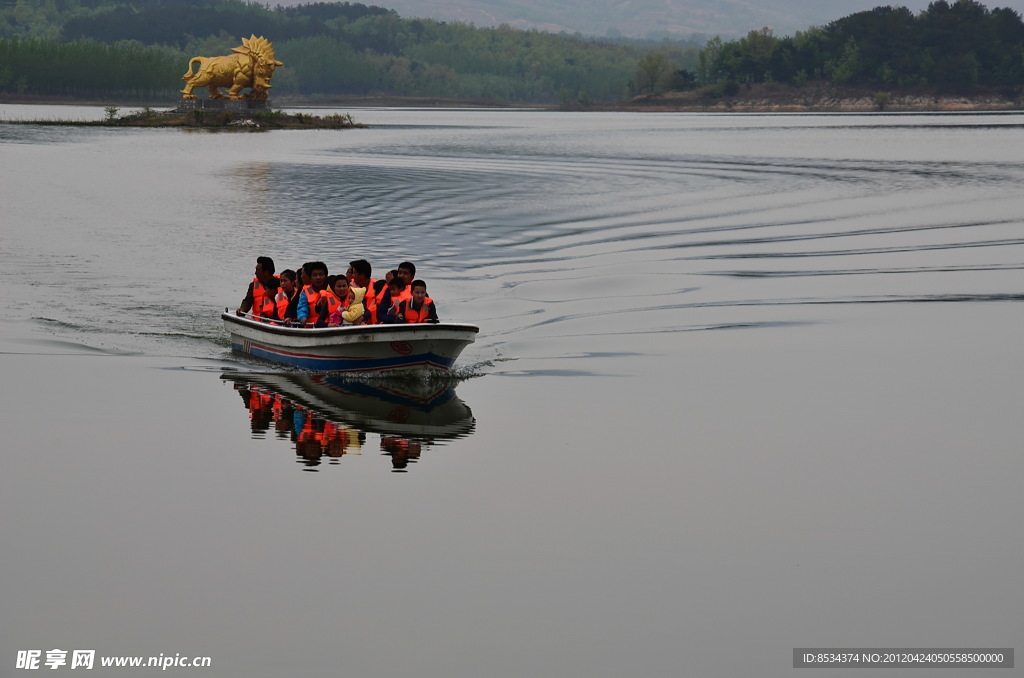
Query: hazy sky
{"points": [[647, 17]]}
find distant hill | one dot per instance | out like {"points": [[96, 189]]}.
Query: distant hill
{"points": [[648, 18]]}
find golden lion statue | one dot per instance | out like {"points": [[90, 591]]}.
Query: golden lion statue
{"points": [[252, 65]]}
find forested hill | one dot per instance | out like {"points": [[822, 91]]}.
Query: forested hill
{"points": [[950, 47], [116, 49]]}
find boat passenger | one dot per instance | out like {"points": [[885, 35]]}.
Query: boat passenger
{"points": [[397, 293], [267, 309], [358, 274], [254, 295], [420, 309], [332, 300], [381, 295], [304, 273], [307, 315], [288, 297], [352, 311], [405, 272]]}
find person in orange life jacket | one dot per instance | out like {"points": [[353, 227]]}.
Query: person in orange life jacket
{"points": [[304, 275], [305, 271], [421, 308], [397, 293], [358, 275], [287, 297], [267, 308], [405, 272], [380, 292], [332, 299], [351, 310], [254, 295], [306, 314]]}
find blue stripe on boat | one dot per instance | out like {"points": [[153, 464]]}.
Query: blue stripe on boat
{"points": [[315, 363]]}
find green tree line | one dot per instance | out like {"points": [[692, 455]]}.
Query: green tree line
{"points": [[115, 48], [953, 47]]}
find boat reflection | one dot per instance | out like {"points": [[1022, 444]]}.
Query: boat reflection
{"points": [[329, 417]]}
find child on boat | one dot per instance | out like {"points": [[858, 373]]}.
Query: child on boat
{"points": [[396, 294], [288, 297], [419, 309], [356, 311]]}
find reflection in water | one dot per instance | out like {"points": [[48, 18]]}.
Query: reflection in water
{"points": [[331, 417]]}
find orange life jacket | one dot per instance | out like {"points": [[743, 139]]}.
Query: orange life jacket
{"points": [[377, 297], [332, 304], [396, 303], [370, 300], [312, 296], [259, 292], [282, 300], [411, 315], [267, 309]]}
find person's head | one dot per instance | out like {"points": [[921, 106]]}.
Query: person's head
{"points": [[271, 286], [318, 275], [307, 273], [359, 272], [419, 291], [340, 287], [288, 280], [264, 268], [396, 285], [391, 275], [407, 270]]}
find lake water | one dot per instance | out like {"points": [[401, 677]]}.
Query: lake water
{"points": [[744, 383]]}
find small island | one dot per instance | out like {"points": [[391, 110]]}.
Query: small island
{"points": [[259, 119]]}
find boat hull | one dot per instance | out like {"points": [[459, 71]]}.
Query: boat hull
{"points": [[361, 348]]}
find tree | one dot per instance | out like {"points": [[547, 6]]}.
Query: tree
{"points": [[651, 68]]}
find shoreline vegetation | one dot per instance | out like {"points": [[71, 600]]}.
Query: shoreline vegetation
{"points": [[812, 97], [824, 97]]}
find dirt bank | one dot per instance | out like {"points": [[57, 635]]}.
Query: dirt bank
{"points": [[822, 97]]}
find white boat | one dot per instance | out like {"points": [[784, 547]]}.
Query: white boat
{"points": [[419, 347]]}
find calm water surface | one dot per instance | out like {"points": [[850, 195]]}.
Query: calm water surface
{"points": [[743, 384]]}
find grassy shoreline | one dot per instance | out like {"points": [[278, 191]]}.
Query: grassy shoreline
{"points": [[812, 97], [822, 97]]}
